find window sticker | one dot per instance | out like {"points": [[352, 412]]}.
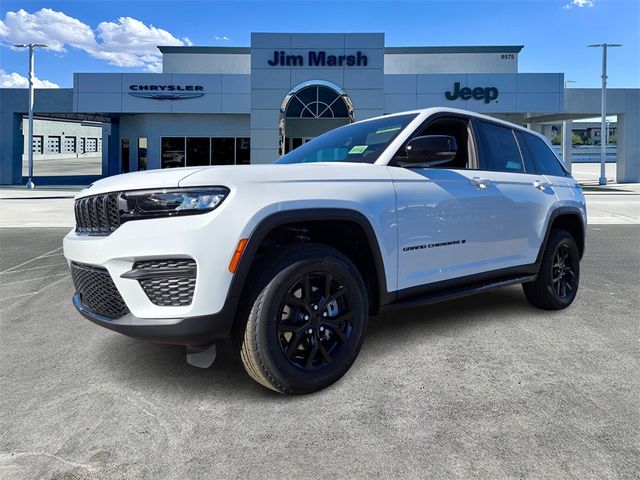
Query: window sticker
{"points": [[357, 149]]}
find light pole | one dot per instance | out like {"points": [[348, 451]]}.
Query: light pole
{"points": [[567, 136], [31, 47], [603, 119]]}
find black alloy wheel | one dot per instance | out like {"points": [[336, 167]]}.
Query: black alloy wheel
{"points": [[315, 320], [563, 272], [307, 311], [558, 278]]}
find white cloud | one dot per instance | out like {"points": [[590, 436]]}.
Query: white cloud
{"points": [[223, 38], [580, 4], [15, 80], [127, 42]]}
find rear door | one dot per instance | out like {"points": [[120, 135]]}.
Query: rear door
{"points": [[547, 164], [524, 196]]}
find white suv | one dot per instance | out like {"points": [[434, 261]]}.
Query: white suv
{"points": [[290, 259]]}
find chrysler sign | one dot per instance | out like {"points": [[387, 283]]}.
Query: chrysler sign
{"points": [[166, 92]]}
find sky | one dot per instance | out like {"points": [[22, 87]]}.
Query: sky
{"points": [[121, 36]]}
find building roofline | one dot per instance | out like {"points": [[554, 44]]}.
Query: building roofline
{"points": [[456, 49], [392, 50], [219, 50]]}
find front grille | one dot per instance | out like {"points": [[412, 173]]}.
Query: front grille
{"points": [[98, 214], [168, 282], [96, 291]]}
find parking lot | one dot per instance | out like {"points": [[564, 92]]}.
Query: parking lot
{"points": [[484, 386]]}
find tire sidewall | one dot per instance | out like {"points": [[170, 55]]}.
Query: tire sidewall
{"points": [[560, 237], [292, 377]]}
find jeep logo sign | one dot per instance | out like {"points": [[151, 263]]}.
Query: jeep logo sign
{"points": [[479, 93]]}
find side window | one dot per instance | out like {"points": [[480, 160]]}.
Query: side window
{"points": [[457, 128], [529, 164], [499, 148], [544, 158]]}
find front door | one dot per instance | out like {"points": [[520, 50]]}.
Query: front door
{"points": [[447, 215], [445, 224]]}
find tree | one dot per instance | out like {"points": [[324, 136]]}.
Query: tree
{"points": [[576, 139], [556, 139]]}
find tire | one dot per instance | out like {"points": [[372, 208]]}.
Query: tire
{"points": [[287, 345], [557, 283]]}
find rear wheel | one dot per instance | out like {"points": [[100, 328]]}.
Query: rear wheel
{"points": [[307, 321], [557, 283]]}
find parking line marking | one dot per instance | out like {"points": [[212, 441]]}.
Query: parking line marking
{"points": [[34, 268], [32, 260], [31, 293], [32, 279]]}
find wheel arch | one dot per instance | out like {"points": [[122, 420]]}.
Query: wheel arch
{"points": [[377, 286], [566, 218]]}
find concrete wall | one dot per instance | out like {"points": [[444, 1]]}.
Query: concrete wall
{"points": [[397, 63], [112, 93], [203, 61], [522, 92]]}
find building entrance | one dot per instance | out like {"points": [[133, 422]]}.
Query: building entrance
{"points": [[311, 109]]}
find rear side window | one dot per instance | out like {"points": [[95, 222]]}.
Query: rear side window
{"points": [[543, 157], [499, 148]]}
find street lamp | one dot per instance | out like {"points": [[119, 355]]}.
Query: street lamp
{"points": [[31, 47], [603, 119], [567, 136]]}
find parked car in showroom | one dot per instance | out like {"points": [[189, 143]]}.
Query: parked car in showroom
{"points": [[291, 259]]}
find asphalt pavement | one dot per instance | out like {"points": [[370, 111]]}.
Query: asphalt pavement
{"points": [[482, 387]]}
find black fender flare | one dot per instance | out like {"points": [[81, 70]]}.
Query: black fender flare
{"points": [[278, 219], [558, 212]]}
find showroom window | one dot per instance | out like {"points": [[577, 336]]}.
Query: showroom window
{"points": [[198, 151], [172, 152], [222, 151], [142, 153]]}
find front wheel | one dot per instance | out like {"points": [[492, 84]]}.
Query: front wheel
{"points": [[557, 283], [307, 321]]}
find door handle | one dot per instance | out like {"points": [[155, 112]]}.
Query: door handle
{"points": [[541, 185], [480, 183]]}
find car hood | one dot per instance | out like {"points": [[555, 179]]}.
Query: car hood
{"points": [[238, 175], [234, 176], [167, 178]]}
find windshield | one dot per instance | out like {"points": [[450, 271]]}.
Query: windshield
{"points": [[359, 142]]}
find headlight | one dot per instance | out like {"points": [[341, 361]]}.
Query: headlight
{"points": [[170, 202]]}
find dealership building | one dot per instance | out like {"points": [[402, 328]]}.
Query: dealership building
{"points": [[226, 105]]}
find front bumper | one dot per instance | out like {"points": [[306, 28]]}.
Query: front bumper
{"points": [[200, 330]]}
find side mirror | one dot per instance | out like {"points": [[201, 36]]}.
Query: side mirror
{"points": [[429, 150]]}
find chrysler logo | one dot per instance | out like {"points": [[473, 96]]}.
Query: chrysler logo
{"points": [[166, 92]]}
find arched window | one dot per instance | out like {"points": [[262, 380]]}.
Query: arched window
{"points": [[313, 99], [317, 101]]}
